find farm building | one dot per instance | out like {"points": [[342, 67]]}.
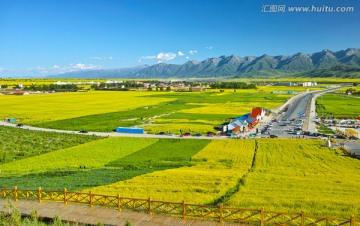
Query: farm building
{"points": [[257, 113], [242, 123]]}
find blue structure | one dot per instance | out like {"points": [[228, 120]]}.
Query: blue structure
{"points": [[130, 130], [243, 117]]}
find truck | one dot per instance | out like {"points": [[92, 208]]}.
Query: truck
{"points": [[132, 130]]}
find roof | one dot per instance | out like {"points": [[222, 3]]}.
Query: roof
{"points": [[239, 123], [243, 117], [256, 112], [251, 120]]}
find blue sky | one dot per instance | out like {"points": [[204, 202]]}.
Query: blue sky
{"points": [[50, 37]]}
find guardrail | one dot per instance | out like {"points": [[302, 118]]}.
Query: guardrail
{"points": [[180, 209]]}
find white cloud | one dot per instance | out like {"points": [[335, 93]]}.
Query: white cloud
{"points": [[81, 66], [181, 53], [187, 57], [110, 58], [166, 56], [192, 52], [209, 47], [162, 56], [41, 71]]}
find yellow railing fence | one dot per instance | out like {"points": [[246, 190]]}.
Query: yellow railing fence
{"points": [[180, 209]]}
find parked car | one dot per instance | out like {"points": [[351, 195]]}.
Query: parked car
{"points": [[186, 135], [353, 138], [83, 131], [197, 135], [273, 136], [210, 134], [160, 133], [19, 125]]}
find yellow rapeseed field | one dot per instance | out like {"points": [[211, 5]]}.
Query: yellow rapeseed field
{"points": [[294, 175], [50, 107], [217, 169]]}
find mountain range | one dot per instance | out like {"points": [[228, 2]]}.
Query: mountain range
{"points": [[299, 64]]}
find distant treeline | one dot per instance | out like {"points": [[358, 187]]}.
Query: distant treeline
{"points": [[53, 87], [232, 85], [117, 86]]}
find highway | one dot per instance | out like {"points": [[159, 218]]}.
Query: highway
{"points": [[291, 117]]}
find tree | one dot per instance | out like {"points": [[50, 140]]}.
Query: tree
{"points": [[168, 88], [149, 89]]}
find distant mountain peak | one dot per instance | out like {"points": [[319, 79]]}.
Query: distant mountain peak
{"points": [[232, 66]]}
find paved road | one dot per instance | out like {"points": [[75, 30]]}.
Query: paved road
{"points": [[83, 214], [305, 103]]}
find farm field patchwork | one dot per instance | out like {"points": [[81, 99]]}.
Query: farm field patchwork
{"points": [[295, 175], [216, 169], [286, 175], [155, 111], [338, 105], [91, 155]]}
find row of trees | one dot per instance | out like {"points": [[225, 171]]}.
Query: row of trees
{"points": [[352, 91], [232, 85], [53, 87]]}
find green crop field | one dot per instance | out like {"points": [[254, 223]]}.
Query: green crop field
{"points": [[338, 105], [155, 111], [280, 174], [16, 144]]}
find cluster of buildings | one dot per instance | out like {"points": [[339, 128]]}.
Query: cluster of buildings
{"points": [[245, 122], [292, 84]]}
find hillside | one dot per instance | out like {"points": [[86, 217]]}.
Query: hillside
{"points": [[320, 64]]}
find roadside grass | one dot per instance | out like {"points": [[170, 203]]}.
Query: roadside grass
{"points": [[325, 130], [294, 175], [216, 169], [91, 155], [338, 105], [16, 143]]}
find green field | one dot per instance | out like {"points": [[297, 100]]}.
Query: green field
{"points": [[16, 144], [280, 174], [338, 105]]}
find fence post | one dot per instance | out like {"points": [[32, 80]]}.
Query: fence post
{"points": [[149, 206], [221, 206], [39, 194], [302, 218], [91, 199], [352, 220], [119, 202], [262, 222], [183, 209], [15, 194], [65, 198]]}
